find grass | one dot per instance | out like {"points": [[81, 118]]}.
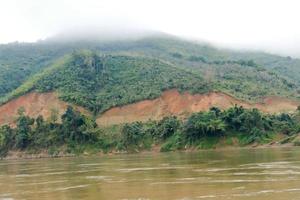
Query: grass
{"points": [[208, 143]]}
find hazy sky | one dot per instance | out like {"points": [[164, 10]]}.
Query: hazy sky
{"points": [[270, 25]]}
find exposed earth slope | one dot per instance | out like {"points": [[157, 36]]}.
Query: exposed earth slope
{"points": [[173, 103], [170, 103], [35, 104]]}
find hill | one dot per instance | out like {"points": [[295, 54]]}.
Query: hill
{"points": [[195, 93], [99, 83], [99, 75]]}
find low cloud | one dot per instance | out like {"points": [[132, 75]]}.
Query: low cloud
{"points": [[268, 25]]}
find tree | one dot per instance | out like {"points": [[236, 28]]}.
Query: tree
{"points": [[167, 127], [71, 122], [232, 117], [216, 127], [204, 124], [76, 127], [23, 130], [45, 134], [132, 134], [216, 111], [6, 139]]}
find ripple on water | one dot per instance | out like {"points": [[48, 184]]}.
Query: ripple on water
{"points": [[208, 196], [261, 192], [287, 172], [41, 183], [55, 173], [91, 164], [38, 174], [104, 178], [71, 187], [202, 180], [149, 169], [289, 169], [248, 194], [6, 196], [273, 165], [173, 182], [268, 163]]}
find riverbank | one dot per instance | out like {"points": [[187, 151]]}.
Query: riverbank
{"points": [[79, 134], [286, 142]]}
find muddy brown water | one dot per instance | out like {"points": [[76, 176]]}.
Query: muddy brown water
{"points": [[245, 174]]}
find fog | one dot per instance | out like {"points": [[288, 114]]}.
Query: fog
{"points": [[265, 25], [102, 33]]}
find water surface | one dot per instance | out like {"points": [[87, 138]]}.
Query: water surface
{"points": [[229, 174]]}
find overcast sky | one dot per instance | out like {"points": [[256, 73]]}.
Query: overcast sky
{"points": [[269, 25]]}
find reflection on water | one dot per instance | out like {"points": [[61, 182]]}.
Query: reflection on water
{"points": [[230, 174]]}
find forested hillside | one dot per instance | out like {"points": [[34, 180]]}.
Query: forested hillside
{"points": [[99, 75], [246, 75], [101, 82]]}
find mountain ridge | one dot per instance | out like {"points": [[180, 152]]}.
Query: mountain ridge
{"points": [[141, 69]]}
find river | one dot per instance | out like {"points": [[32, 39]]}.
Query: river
{"points": [[245, 174]]}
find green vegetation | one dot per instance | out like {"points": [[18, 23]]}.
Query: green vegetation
{"points": [[108, 74], [20, 61], [101, 82], [150, 66], [78, 133], [75, 130]]}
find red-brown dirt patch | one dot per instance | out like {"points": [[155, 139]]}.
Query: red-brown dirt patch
{"points": [[35, 104], [170, 103], [173, 103]]}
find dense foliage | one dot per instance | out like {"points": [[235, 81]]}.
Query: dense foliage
{"points": [[20, 61], [151, 62], [78, 133], [74, 129], [205, 129], [101, 82]]}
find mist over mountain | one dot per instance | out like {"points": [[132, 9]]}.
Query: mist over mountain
{"points": [[123, 33], [102, 34]]}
